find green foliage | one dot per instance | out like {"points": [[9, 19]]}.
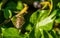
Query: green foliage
{"points": [[58, 4], [19, 5], [11, 5], [7, 13], [10, 32], [37, 23]]}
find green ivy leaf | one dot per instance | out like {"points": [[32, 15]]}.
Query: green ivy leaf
{"points": [[11, 33], [29, 27], [19, 5], [38, 15], [47, 23], [7, 13]]}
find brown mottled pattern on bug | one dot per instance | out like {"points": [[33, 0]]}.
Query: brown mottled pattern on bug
{"points": [[19, 22]]}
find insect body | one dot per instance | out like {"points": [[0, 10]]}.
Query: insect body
{"points": [[18, 20]]}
